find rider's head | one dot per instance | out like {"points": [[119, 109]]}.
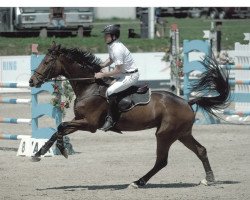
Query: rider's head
{"points": [[111, 33]]}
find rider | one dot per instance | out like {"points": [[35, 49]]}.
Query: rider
{"points": [[125, 71]]}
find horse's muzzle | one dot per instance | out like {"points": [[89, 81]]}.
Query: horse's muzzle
{"points": [[33, 83]]}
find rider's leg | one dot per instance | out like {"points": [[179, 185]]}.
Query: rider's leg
{"points": [[113, 113], [121, 84]]}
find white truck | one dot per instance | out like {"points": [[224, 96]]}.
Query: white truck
{"points": [[28, 21]]}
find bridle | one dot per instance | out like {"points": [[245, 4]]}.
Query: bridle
{"points": [[54, 56], [49, 68]]}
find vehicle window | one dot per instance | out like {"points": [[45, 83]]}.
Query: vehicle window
{"points": [[84, 9], [34, 10]]}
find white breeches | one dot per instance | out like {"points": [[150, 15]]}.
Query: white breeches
{"points": [[123, 83]]}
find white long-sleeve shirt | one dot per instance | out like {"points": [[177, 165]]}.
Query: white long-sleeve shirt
{"points": [[120, 55]]}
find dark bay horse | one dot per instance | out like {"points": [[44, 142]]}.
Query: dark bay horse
{"points": [[172, 116]]}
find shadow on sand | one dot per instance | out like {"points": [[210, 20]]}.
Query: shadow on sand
{"points": [[124, 186]]}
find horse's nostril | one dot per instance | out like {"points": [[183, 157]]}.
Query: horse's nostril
{"points": [[31, 81]]}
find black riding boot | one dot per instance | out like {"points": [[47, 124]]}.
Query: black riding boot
{"points": [[113, 114]]}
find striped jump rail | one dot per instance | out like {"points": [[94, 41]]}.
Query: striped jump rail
{"points": [[4, 100], [15, 120], [239, 82], [237, 67], [233, 112], [14, 101], [8, 136], [14, 85]]}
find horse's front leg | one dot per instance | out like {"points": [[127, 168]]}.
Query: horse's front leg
{"points": [[64, 128], [43, 150]]}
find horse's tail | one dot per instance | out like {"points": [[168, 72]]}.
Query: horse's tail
{"points": [[214, 81]]}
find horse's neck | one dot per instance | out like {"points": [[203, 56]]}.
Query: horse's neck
{"points": [[83, 90], [80, 87]]}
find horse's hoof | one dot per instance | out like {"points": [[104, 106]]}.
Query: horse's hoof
{"points": [[206, 183], [63, 150], [35, 159], [133, 186], [65, 153], [137, 184]]}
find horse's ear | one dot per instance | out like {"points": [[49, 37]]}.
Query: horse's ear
{"points": [[59, 47]]}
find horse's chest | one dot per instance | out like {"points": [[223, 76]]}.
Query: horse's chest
{"points": [[80, 108]]}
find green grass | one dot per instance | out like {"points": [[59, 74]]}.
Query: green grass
{"points": [[232, 31]]}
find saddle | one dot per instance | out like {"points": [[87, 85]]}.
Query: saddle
{"points": [[129, 98], [133, 96]]}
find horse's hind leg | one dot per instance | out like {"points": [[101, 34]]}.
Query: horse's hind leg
{"points": [[201, 152], [163, 145]]}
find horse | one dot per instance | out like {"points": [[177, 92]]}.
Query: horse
{"points": [[172, 116]]}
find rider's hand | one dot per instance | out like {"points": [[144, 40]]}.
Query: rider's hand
{"points": [[102, 65], [99, 75]]}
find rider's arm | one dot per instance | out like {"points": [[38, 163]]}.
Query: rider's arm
{"points": [[117, 70], [106, 63]]}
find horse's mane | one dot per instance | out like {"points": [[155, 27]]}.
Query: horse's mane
{"points": [[84, 58]]}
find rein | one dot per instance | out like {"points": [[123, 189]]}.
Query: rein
{"points": [[63, 79], [72, 79]]}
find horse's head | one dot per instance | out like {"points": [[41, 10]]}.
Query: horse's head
{"points": [[49, 68], [71, 63]]}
